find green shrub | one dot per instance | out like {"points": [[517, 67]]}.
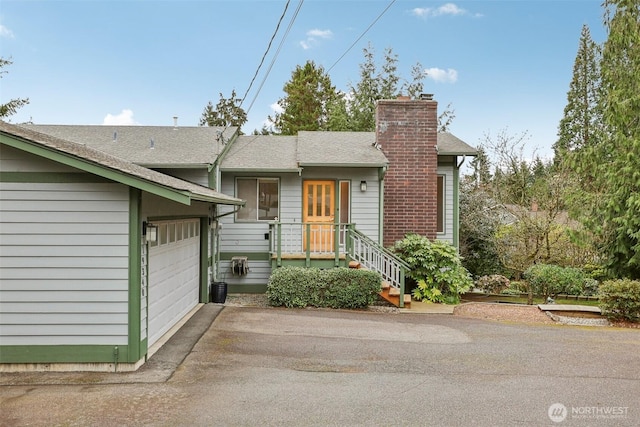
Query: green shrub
{"points": [[493, 284], [620, 299], [548, 280], [518, 286], [511, 291], [313, 287], [436, 268]]}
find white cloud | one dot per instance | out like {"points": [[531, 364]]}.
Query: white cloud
{"points": [[313, 37], [440, 75], [445, 9], [5, 32], [323, 34], [276, 108], [124, 118]]}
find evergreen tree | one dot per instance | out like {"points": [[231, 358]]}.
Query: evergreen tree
{"points": [[226, 113], [364, 95], [309, 94], [480, 164], [620, 180], [10, 108], [580, 125]]}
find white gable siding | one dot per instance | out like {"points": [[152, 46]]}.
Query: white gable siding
{"points": [[447, 171], [63, 258]]}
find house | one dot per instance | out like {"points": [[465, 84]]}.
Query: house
{"points": [[315, 199], [99, 257], [374, 186]]}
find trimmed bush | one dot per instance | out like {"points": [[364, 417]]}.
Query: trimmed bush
{"points": [[620, 299], [312, 287], [493, 284], [436, 268], [550, 280]]}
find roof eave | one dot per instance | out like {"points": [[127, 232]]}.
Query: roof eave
{"points": [[345, 165], [457, 153]]}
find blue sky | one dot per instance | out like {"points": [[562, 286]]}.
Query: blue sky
{"points": [[500, 64]]}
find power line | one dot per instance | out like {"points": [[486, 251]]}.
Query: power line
{"points": [[361, 35], [295, 15], [273, 36]]}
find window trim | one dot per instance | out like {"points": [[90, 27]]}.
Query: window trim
{"points": [[441, 203], [257, 202]]}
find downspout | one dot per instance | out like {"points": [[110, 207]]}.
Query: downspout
{"points": [[381, 174], [215, 177]]}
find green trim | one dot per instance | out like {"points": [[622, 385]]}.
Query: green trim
{"points": [[456, 207], [247, 289], [307, 262], [174, 217], [204, 259], [51, 177], [255, 256], [66, 354], [135, 276]]}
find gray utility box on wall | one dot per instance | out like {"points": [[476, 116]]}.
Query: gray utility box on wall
{"points": [[239, 265]]}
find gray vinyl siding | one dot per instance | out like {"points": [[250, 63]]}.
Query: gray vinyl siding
{"points": [[245, 238], [447, 171], [63, 259]]}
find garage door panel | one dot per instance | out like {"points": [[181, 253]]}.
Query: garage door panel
{"points": [[174, 278]]}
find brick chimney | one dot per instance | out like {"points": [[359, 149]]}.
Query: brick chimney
{"points": [[406, 131]]}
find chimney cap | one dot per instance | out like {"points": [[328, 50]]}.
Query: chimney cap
{"points": [[426, 96]]}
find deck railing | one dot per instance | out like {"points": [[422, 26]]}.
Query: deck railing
{"points": [[312, 240], [336, 241]]}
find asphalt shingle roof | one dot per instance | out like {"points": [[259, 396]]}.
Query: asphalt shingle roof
{"points": [[450, 145], [354, 149], [108, 161], [262, 153], [172, 146]]}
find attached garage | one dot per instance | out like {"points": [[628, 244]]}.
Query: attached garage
{"points": [[83, 286], [174, 274]]}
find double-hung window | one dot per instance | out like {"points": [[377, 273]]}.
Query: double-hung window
{"points": [[441, 204], [262, 199]]}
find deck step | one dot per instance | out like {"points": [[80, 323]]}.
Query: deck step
{"points": [[394, 297], [354, 264]]}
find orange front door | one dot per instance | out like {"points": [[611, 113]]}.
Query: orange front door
{"points": [[319, 212]]}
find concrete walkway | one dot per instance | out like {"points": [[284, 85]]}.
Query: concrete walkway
{"points": [[423, 307]]}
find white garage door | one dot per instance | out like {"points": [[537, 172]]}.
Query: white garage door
{"points": [[174, 275]]}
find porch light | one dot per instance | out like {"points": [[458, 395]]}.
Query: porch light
{"points": [[363, 186], [150, 231]]}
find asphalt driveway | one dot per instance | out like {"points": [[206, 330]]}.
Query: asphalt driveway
{"points": [[277, 367]]}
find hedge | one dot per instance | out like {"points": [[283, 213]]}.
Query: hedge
{"points": [[335, 288], [620, 299]]}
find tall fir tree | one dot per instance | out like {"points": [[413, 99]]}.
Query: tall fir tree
{"points": [[620, 180], [581, 123], [305, 106]]}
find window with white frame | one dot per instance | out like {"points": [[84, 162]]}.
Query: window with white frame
{"points": [[441, 204], [262, 199]]}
